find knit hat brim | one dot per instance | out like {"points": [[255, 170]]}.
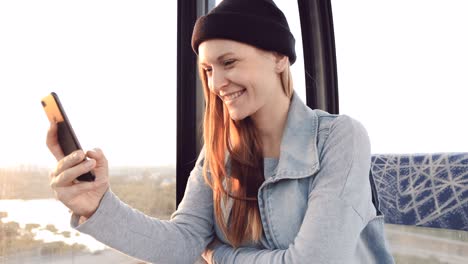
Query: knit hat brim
{"points": [[247, 29]]}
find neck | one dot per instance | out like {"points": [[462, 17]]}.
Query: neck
{"points": [[270, 122]]}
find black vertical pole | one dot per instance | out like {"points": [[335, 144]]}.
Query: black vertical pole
{"points": [[319, 54], [186, 95]]}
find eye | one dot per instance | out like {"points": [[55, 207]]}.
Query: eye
{"points": [[229, 62]]}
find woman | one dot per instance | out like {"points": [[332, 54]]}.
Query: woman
{"points": [[276, 182]]}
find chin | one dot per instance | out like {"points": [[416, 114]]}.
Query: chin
{"points": [[237, 116]]}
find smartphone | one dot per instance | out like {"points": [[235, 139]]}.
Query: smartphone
{"points": [[66, 135]]}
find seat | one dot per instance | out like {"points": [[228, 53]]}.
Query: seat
{"points": [[429, 190]]}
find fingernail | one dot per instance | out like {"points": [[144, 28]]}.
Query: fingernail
{"points": [[89, 163], [76, 155]]}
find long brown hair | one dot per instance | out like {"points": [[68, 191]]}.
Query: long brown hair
{"points": [[239, 139]]}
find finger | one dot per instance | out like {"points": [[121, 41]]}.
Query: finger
{"points": [[51, 176], [101, 169], [65, 194], [98, 155], [83, 187], [52, 141], [69, 161], [66, 177]]}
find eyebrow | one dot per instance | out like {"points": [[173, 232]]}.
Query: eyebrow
{"points": [[220, 58]]}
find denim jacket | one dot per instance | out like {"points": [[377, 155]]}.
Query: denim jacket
{"points": [[315, 208]]}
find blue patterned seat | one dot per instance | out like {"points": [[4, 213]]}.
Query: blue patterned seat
{"points": [[428, 190]]}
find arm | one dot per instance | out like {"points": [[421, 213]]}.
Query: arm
{"points": [[180, 240], [337, 206]]}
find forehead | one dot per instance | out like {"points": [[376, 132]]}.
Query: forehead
{"points": [[210, 50]]}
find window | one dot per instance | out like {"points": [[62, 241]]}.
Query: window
{"points": [[112, 65], [401, 71]]}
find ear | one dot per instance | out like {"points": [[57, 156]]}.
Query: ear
{"points": [[281, 62]]}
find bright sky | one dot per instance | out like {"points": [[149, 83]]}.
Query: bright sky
{"points": [[113, 64], [402, 68]]}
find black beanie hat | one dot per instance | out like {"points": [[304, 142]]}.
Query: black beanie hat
{"points": [[259, 23]]}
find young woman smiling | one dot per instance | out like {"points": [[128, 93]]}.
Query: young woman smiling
{"points": [[276, 182]]}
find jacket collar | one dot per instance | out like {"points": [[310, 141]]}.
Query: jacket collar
{"points": [[298, 150]]}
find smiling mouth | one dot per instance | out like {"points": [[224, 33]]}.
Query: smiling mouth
{"points": [[233, 96]]}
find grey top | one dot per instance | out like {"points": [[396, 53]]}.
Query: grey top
{"points": [[315, 206]]}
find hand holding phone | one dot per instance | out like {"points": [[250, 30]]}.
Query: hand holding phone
{"points": [[65, 134]]}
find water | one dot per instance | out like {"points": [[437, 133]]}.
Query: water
{"points": [[46, 212]]}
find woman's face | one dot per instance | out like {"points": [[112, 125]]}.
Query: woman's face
{"points": [[244, 77]]}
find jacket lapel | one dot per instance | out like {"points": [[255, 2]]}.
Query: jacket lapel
{"points": [[298, 150]]}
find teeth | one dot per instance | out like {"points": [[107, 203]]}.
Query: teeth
{"points": [[233, 95]]}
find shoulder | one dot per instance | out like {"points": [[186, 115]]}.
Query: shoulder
{"points": [[344, 154], [345, 160], [338, 122], [196, 175], [201, 158], [327, 121], [349, 130], [324, 119]]}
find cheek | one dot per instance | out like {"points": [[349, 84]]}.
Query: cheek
{"points": [[242, 76], [268, 84], [260, 87]]}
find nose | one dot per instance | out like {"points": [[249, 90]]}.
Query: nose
{"points": [[218, 80]]}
